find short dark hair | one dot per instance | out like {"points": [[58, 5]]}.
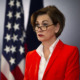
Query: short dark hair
{"points": [[54, 13]]}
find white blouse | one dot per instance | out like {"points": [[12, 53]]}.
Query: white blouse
{"points": [[43, 62]]}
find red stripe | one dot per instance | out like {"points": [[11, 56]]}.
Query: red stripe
{"points": [[26, 49], [3, 77], [17, 74]]}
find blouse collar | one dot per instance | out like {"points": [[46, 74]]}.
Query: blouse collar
{"points": [[51, 48]]}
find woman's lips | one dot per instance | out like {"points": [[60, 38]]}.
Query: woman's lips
{"points": [[40, 35]]}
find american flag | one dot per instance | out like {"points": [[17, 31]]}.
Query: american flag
{"points": [[15, 38], [13, 52]]}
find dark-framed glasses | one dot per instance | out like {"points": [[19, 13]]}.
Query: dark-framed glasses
{"points": [[43, 28]]}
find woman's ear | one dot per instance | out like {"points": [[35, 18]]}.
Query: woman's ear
{"points": [[57, 27]]}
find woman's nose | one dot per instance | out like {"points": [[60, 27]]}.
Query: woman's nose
{"points": [[39, 29]]}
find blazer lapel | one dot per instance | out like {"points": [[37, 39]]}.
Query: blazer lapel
{"points": [[37, 62], [54, 56]]}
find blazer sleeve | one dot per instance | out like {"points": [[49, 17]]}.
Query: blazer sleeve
{"points": [[26, 75], [72, 71]]}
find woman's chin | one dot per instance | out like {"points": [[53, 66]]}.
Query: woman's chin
{"points": [[40, 39]]}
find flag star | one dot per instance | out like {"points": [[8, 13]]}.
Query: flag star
{"points": [[8, 37], [9, 14], [16, 26], [18, 15], [15, 37], [22, 39], [7, 49], [18, 4], [13, 49], [12, 61], [21, 49], [11, 3], [8, 25]]}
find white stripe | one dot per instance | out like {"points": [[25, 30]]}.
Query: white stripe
{"points": [[11, 77], [26, 7], [5, 69], [22, 66]]}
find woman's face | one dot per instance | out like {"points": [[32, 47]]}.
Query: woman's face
{"points": [[49, 33]]}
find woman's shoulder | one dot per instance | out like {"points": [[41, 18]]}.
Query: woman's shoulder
{"points": [[68, 49], [71, 47], [32, 56], [32, 53], [67, 46], [72, 50]]}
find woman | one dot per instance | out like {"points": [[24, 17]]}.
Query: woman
{"points": [[52, 60]]}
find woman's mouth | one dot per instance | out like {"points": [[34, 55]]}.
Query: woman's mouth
{"points": [[40, 35]]}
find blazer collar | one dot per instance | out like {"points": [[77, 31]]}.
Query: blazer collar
{"points": [[39, 50], [36, 66], [54, 55]]}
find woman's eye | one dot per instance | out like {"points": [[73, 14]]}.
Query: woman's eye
{"points": [[45, 24]]}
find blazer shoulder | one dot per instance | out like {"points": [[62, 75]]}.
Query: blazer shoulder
{"points": [[70, 46], [31, 54], [66, 46], [71, 49]]}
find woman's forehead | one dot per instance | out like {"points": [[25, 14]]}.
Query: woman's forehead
{"points": [[43, 18]]}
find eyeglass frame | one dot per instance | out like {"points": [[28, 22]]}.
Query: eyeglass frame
{"points": [[42, 26]]}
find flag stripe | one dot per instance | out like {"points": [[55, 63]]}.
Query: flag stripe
{"points": [[22, 66], [3, 77], [17, 73], [4, 67], [5, 70]]}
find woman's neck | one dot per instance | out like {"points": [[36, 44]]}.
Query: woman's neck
{"points": [[46, 45]]}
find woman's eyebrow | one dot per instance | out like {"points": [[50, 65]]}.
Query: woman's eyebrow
{"points": [[42, 21], [45, 21]]}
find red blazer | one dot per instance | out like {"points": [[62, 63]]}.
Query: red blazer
{"points": [[63, 64]]}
